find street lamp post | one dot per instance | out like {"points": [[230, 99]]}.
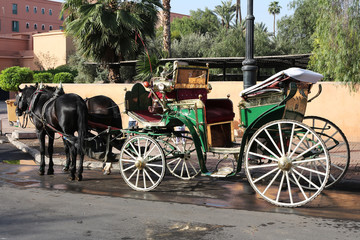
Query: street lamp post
{"points": [[249, 64]]}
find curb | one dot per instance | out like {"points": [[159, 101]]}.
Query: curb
{"points": [[57, 161]]}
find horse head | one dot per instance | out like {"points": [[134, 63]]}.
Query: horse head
{"points": [[23, 99]]}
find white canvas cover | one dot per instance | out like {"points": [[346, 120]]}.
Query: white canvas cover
{"points": [[299, 74]]}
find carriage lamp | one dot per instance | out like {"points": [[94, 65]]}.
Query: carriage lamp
{"points": [[146, 84]]}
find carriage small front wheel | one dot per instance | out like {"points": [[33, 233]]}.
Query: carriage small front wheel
{"points": [[282, 158], [142, 163]]}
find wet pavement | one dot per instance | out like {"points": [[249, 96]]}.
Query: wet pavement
{"points": [[230, 193], [341, 202]]}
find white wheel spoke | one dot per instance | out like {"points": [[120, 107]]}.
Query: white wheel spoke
{"points": [[137, 177], [272, 181], [130, 155], [289, 187], [265, 175], [311, 170], [263, 156], [175, 159], [147, 153], [138, 153], [186, 168], [291, 138], [303, 177], [308, 150], [263, 166], [299, 143], [273, 142], [146, 173], [154, 165], [281, 140], [336, 166], [299, 185], [267, 149], [153, 171], [280, 187], [144, 178], [153, 158], [136, 170], [126, 169], [309, 160]]}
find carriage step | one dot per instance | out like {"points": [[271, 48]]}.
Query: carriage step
{"points": [[22, 134], [222, 172]]}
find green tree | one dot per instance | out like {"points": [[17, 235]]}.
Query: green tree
{"points": [[108, 31], [226, 12], [238, 12], [337, 41], [294, 32], [43, 77], [63, 77], [274, 9]]}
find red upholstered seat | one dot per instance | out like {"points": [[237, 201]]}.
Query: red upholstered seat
{"points": [[219, 110], [147, 116]]}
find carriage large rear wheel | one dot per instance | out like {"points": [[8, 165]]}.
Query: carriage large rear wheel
{"points": [[142, 163], [281, 158], [336, 144]]}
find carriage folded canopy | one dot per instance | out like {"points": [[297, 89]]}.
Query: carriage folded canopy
{"points": [[299, 74]]}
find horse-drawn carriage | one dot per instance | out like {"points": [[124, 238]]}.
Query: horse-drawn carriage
{"points": [[286, 161]]}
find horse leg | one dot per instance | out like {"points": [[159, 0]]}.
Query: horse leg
{"points": [[73, 161], [41, 137], [67, 153], [81, 168], [51, 136]]}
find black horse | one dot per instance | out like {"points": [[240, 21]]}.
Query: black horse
{"points": [[53, 111], [103, 113]]}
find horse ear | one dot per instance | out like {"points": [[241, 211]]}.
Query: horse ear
{"points": [[36, 85], [60, 85], [19, 89], [41, 86]]}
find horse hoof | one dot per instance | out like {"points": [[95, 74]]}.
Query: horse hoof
{"points": [[79, 178], [50, 172], [65, 169], [41, 173], [106, 172], [71, 178]]}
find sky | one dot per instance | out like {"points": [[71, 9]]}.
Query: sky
{"points": [[260, 8]]}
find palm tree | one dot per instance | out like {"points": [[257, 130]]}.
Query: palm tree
{"points": [[238, 12], [225, 12], [166, 25], [274, 8], [108, 31]]}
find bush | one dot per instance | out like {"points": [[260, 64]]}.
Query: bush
{"points": [[63, 77], [12, 77], [64, 68], [43, 77]]}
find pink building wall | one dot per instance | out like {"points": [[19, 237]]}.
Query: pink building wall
{"points": [[30, 18]]}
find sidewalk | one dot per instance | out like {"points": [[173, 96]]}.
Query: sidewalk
{"points": [[31, 146]]}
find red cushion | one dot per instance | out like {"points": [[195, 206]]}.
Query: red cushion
{"points": [[219, 110], [147, 116]]}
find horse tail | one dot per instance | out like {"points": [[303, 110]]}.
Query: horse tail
{"points": [[82, 126]]}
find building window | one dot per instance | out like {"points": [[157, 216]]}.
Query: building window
{"points": [[15, 26], [43, 27], [27, 8], [51, 27], [43, 10], [35, 26], [14, 8], [35, 9], [27, 25], [50, 12]]}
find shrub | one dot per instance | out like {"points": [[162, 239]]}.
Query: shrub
{"points": [[43, 77], [12, 77], [64, 68], [63, 77]]}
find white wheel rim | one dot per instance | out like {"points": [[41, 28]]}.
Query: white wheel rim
{"points": [[142, 163], [337, 146], [285, 170]]}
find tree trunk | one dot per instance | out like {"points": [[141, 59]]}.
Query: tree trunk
{"points": [[238, 12], [166, 25], [274, 25]]}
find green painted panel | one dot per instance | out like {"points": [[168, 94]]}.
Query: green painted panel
{"points": [[249, 115]]}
